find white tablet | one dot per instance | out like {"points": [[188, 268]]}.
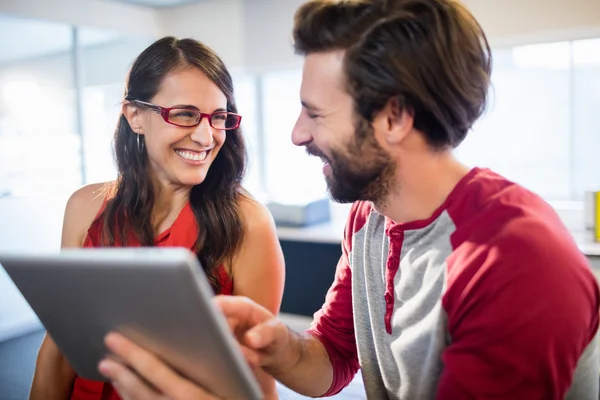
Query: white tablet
{"points": [[158, 297]]}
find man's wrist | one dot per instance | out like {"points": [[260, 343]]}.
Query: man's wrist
{"points": [[290, 358]]}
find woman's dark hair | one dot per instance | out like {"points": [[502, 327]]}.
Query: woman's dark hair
{"points": [[215, 200], [432, 55]]}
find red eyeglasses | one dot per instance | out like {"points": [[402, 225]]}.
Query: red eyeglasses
{"points": [[187, 118]]}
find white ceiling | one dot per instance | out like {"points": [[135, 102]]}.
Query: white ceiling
{"points": [[159, 3]]}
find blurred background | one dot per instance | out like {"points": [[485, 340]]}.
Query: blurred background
{"points": [[63, 64], [62, 70]]}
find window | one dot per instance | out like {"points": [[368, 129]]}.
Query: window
{"points": [[101, 105], [586, 110], [59, 108], [291, 174], [44, 80], [540, 128], [39, 143], [525, 133], [245, 97], [103, 86]]}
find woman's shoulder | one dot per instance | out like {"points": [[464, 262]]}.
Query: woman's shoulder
{"points": [[87, 200], [81, 210], [255, 214], [259, 229]]}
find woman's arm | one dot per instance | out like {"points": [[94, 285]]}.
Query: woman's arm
{"points": [[53, 377], [258, 268]]}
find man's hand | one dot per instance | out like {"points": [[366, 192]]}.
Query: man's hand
{"points": [[266, 342], [299, 361]]}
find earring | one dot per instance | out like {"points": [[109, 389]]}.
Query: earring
{"points": [[140, 145]]}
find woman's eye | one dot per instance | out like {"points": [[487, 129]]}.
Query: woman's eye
{"points": [[184, 113]]}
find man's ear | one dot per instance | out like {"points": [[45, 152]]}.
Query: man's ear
{"points": [[394, 121], [133, 116]]}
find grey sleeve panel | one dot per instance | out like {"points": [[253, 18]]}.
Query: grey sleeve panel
{"points": [[586, 380]]}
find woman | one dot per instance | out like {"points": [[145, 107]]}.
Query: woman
{"points": [[181, 159]]}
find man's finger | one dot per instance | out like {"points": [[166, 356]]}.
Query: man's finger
{"points": [[266, 334], [251, 356], [238, 328], [127, 384], [153, 370], [242, 309]]}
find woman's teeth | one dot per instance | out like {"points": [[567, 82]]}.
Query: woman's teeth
{"points": [[191, 156]]}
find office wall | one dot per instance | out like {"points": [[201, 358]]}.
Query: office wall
{"points": [[268, 34], [510, 22], [264, 26], [109, 15], [255, 34], [95, 71], [218, 23]]}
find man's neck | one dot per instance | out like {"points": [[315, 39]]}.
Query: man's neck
{"points": [[421, 186]]}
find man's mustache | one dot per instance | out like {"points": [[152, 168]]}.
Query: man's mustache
{"points": [[313, 150]]}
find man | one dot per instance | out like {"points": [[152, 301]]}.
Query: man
{"points": [[454, 283]]}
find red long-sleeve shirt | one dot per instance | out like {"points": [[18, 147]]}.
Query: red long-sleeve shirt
{"points": [[488, 298]]}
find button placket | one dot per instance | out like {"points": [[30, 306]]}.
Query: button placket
{"points": [[392, 266]]}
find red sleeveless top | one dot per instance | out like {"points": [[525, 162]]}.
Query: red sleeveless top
{"points": [[182, 233]]}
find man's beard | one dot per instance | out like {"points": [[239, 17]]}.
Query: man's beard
{"points": [[363, 172]]}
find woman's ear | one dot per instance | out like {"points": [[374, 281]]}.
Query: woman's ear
{"points": [[394, 121], [133, 116]]}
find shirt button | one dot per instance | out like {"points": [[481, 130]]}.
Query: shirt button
{"points": [[388, 298]]}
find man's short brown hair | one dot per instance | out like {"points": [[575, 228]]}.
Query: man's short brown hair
{"points": [[430, 54]]}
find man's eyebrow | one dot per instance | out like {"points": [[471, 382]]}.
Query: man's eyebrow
{"points": [[309, 106]]}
